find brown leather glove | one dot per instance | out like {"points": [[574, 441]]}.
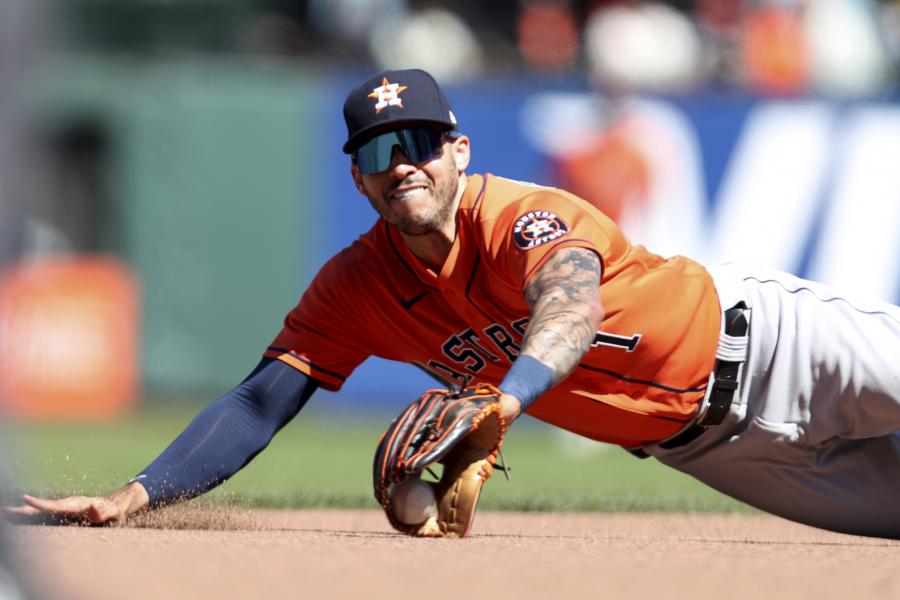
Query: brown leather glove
{"points": [[463, 431]]}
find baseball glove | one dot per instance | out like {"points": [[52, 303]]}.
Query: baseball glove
{"points": [[462, 430]]}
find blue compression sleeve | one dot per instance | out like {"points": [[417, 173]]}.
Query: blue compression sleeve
{"points": [[228, 433], [527, 379]]}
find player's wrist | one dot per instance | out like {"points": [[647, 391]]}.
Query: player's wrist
{"points": [[130, 498], [527, 380]]}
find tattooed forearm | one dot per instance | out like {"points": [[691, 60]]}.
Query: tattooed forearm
{"points": [[564, 297]]}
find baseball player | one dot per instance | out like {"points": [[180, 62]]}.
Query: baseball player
{"points": [[779, 392]]}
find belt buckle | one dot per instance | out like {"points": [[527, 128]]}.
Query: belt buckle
{"points": [[736, 323]]}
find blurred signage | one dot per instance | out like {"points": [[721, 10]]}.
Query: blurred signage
{"points": [[68, 339], [808, 187]]}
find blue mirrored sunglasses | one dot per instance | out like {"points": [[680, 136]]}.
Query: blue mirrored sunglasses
{"points": [[418, 144]]}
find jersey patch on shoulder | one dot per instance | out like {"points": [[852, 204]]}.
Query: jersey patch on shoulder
{"points": [[537, 227]]}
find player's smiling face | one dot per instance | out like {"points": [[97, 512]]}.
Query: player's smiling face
{"points": [[417, 198]]}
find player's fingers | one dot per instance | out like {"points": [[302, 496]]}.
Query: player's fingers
{"points": [[71, 506], [21, 515], [20, 511], [96, 510], [29, 515], [74, 509], [430, 534], [430, 528]]}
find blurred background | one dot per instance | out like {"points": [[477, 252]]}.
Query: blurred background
{"points": [[179, 179]]}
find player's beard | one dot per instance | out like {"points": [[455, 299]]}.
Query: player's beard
{"points": [[433, 217]]}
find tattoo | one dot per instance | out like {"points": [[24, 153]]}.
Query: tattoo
{"points": [[564, 297]]}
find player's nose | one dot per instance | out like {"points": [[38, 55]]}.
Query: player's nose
{"points": [[401, 166]]}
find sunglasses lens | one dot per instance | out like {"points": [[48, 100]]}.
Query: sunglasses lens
{"points": [[418, 144], [375, 155]]}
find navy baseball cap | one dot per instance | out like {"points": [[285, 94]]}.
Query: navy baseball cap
{"points": [[392, 100]]}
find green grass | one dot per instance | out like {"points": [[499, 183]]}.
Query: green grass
{"points": [[326, 462]]}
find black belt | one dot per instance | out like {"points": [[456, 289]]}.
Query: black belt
{"points": [[723, 388]]}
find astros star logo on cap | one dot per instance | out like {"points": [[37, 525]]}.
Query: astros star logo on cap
{"points": [[387, 94]]}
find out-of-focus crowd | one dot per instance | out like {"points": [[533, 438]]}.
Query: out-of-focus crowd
{"points": [[781, 47]]}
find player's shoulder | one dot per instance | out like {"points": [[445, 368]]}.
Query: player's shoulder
{"points": [[502, 190], [502, 195], [505, 202]]}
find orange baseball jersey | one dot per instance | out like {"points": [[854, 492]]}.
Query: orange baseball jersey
{"points": [[641, 380]]}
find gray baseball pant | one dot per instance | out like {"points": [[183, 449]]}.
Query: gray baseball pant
{"points": [[813, 434]]}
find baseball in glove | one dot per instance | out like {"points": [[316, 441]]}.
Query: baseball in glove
{"points": [[460, 429]]}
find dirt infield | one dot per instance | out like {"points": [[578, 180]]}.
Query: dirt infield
{"points": [[228, 553]]}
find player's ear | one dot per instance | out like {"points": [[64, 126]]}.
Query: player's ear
{"points": [[461, 155], [357, 178]]}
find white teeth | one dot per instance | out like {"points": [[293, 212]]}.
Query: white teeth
{"points": [[400, 195]]}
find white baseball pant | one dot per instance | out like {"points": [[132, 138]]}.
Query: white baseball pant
{"points": [[813, 434]]}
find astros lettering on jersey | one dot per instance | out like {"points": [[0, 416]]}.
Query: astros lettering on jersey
{"points": [[640, 382]]}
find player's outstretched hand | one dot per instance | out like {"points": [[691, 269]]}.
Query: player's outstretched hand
{"points": [[74, 509], [89, 510]]}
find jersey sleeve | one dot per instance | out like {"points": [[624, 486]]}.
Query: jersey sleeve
{"points": [[318, 335], [534, 227]]}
